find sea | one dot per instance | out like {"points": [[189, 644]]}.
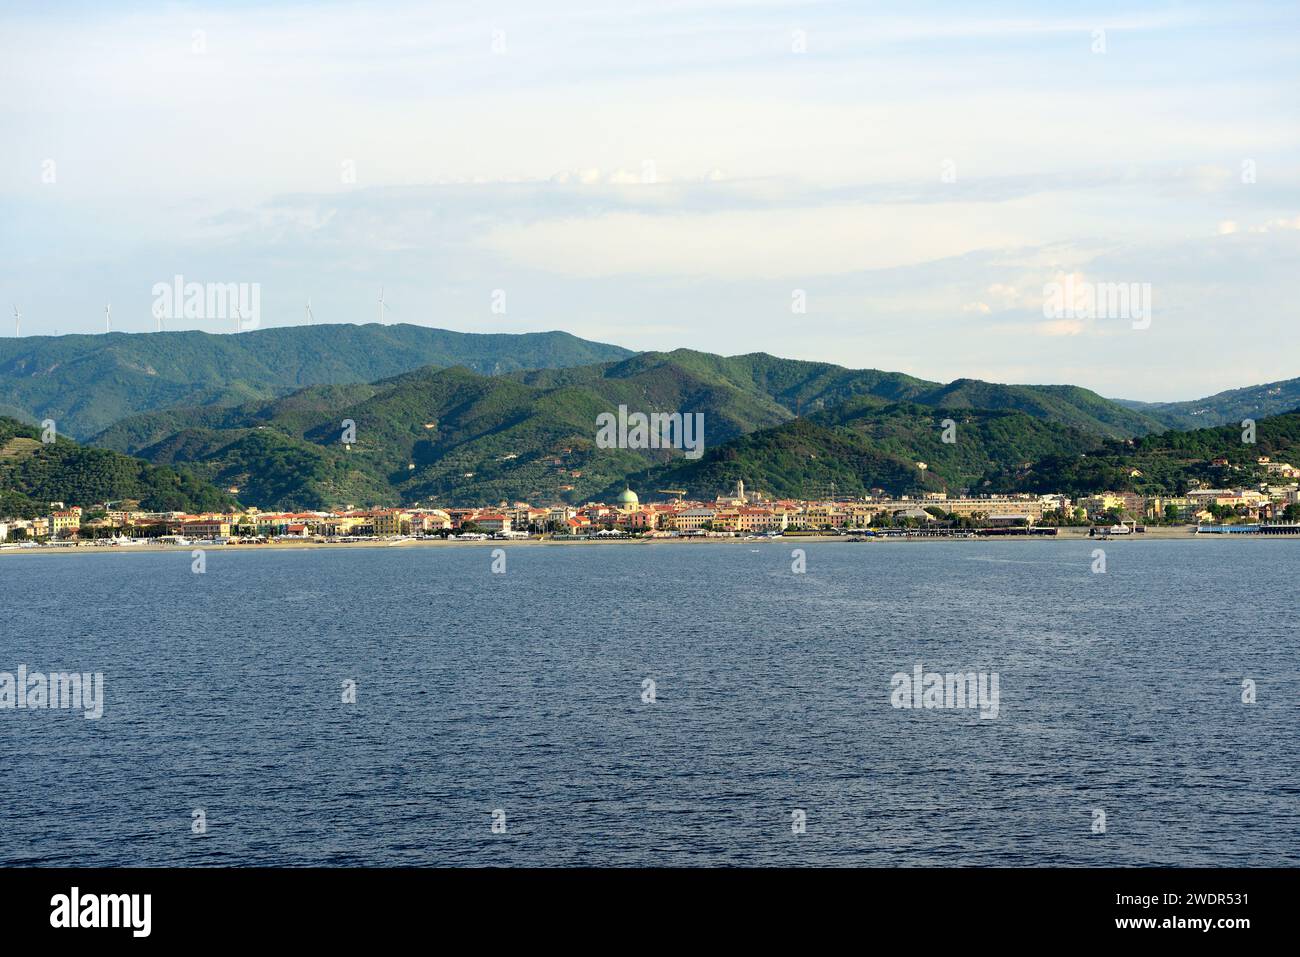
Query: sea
{"points": [[664, 704]]}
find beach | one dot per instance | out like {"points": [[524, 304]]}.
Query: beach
{"points": [[1157, 533]]}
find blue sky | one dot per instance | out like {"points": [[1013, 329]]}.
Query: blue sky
{"points": [[674, 173]]}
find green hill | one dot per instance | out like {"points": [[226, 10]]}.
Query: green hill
{"points": [[33, 474], [86, 383], [470, 438], [454, 436], [868, 443], [1064, 404], [1167, 463], [783, 388], [1224, 408], [417, 437], [790, 385], [800, 459]]}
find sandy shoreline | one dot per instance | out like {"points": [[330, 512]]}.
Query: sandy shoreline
{"points": [[1064, 534]]}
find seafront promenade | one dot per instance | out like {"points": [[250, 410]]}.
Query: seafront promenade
{"points": [[1065, 534]]}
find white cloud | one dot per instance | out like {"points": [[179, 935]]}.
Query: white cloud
{"points": [[1060, 327], [757, 244], [1275, 224]]}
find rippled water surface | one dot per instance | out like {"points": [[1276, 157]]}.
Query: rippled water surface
{"points": [[522, 692]]}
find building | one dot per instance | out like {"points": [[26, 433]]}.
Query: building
{"points": [[993, 506], [825, 515], [725, 520], [737, 497], [750, 520], [428, 520], [1279, 469], [1010, 521], [1096, 506], [1228, 498], [492, 522], [66, 523], [206, 528], [694, 519], [391, 521], [1183, 508], [644, 519], [342, 525], [560, 514]]}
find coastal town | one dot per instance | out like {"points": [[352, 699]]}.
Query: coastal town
{"points": [[1272, 506]]}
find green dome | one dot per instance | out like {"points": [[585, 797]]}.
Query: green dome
{"points": [[627, 498]]}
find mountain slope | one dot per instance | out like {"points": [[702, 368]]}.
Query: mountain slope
{"points": [[1223, 408], [34, 474], [1168, 463], [86, 383], [868, 443], [1064, 404], [786, 387], [792, 384], [661, 381], [447, 434], [453, 436]]}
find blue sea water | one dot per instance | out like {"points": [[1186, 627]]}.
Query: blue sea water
{"points": [[522, 692]]}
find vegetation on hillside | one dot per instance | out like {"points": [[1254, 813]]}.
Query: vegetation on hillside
{"points": [[454, 437], [787, 387], [86, 383], [33, 474], [1170, 463], [1231, 407], [867, 443]]}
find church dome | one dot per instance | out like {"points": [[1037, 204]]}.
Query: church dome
{"points": [[627, 498]]}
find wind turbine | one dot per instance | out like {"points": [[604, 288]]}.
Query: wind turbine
{"points": [[18, 319], [382, 305], [108, 317], [309, 316]]}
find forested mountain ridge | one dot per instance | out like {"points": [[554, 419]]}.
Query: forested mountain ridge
{"points": [[1223, 408], [34, 473], [88, 382], [455, 437]]}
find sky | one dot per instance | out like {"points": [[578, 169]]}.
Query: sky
{"points": [[892, 186]]}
